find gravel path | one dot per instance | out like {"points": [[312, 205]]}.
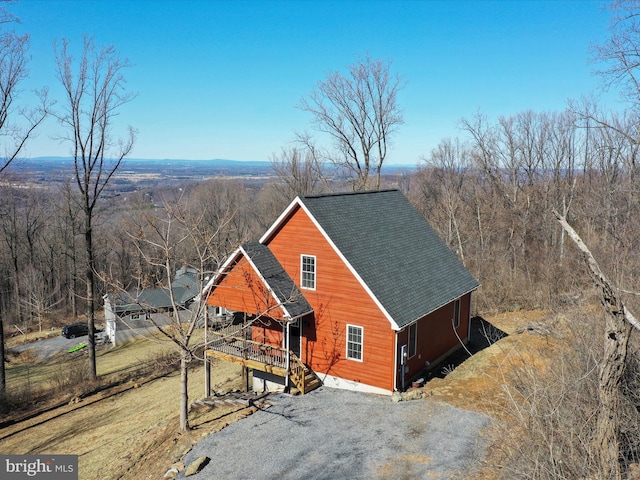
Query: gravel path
{"points": [[336, 434]]}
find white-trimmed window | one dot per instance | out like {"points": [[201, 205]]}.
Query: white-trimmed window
{"points": [[134, 316], [308, 272], [355, 337], [456, 313], [412, 343], [219, 311]]}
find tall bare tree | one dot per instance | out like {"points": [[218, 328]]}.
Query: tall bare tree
{"points": [[619, 322], [448, 167], [180, 235], [17, 123], [619, 55], [360, 113], [93, 95]]}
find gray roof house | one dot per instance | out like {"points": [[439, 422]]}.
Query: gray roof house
{"points": [[129, 313], [370, 294]]}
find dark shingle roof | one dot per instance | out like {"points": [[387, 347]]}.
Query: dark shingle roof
{"points": [[134, 301], [395, 251], [185, 287], [277, 279]]}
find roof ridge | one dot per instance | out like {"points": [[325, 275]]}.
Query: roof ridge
{"points": [[338, 194]]}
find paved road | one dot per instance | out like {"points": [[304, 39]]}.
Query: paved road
{"points": [[337, 434], [46, 349]]}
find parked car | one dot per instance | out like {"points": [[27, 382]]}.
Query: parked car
{"points": [[75, 330]]}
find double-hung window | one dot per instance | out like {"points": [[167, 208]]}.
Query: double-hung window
{"points": [[355, 336], [308, 272], [413, 339], [456, 313]]}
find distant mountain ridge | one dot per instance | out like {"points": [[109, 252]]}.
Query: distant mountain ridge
{"points": [[215, 163]]}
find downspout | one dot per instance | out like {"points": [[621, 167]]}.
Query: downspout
{"points": [[469, 319], [287, 356], [395, 364]]}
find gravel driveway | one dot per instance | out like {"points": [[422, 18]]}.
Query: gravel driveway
{"points": [[337, 434]]}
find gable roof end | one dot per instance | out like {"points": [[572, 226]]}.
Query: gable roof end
{"points": [[401, 260], [277, 280]]}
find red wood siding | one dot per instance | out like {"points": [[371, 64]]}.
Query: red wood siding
{"points": [[435, 337], [337, 300], [267, 331], [242, 290]]}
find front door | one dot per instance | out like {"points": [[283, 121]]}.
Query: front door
{"points": [[295, 335]]}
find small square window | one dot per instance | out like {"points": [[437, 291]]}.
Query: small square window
{"points": [[354, 342], [308, 272], [135, 316]]}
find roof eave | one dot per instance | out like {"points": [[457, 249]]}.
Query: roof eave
{"points": [[279, 303], [394, 324], [280, 220], [440, 306]]}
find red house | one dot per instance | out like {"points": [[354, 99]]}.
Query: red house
{"points": [[354, 287]]}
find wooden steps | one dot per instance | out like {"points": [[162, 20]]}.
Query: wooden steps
{"points": [[265, 358], [240, 399], [309, 382]]}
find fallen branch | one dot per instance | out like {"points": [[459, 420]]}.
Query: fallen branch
{"points": [[610, 299], [617, 330]]}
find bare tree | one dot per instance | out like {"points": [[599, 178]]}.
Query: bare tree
{"points": [[17, 123], [69, 226], [93, 95], [449, 165], [180, 236], [38, 298], [619, 322], [299, 172], [620, 55], [360, 113]]}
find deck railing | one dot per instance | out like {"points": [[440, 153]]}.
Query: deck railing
{"points": [[259, 352], [248, 349]]}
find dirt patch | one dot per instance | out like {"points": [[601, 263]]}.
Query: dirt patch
{"points": [[477, 383]]}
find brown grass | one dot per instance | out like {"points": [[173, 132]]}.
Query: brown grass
{"points": [[134, 434], [129, 431]]}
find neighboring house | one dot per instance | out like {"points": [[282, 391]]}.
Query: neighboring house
{"points": [[133, 312], [356, 287]]}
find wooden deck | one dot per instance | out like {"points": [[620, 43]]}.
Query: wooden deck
{"points": [[262, 357]]}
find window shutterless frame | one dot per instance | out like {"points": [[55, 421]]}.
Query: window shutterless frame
{"points": [[412, 343], [355, 342], [308, 272], [456, 313]]}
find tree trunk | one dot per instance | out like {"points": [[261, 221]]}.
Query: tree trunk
{"points": [[184, 392], [90, 298], [617, 331], [3, 381]]}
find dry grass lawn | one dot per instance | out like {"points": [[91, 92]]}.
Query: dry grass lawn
{"points": [[134, 434], [130, 431]]}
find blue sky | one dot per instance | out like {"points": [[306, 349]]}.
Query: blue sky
{"points": [[220, 79]]}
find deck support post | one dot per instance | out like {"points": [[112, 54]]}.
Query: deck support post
{"points": [[287, 355]]}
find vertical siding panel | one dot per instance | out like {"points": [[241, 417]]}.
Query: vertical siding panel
{"points": [[338, 300], [242, 290]]}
